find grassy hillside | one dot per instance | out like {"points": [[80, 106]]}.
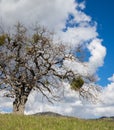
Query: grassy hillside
{"points": [[13, 122]]}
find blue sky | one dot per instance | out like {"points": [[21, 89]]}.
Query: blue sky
{"points": [[103, 13], [54, 14]]}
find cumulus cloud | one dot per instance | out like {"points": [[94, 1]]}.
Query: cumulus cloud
{"points": [[78, 35], [48, 13], [108, 93], [111, 78], [98, 53], [5, 103], [68, 101], [106, 107]]}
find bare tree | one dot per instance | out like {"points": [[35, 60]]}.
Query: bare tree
{"points": [[31, 61]]}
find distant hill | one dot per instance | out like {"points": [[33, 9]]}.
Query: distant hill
{"points": [[105, 117], [47, 114]]}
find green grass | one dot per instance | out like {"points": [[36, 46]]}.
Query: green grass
{"points": [[14, 122]]}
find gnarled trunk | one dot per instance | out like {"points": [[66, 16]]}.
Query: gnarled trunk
{"points": [[19, 104]]}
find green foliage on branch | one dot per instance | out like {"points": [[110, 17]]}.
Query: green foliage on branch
{"points": [[35, 38], [77, 83], [2, 39]]}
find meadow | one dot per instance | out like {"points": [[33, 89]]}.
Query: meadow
{"points": [[17, 122]]}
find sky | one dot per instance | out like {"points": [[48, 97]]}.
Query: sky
{"points": [[102, 12], [89, 23]]}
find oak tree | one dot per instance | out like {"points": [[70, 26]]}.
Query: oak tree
{"points": [[32, 61]]}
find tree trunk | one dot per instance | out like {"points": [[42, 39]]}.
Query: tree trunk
{"points": [[19, 105]]}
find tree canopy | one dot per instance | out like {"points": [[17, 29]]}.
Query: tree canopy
{"points": [[32, 61]]}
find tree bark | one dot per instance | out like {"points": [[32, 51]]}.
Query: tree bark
{"points": [[19, 105]]}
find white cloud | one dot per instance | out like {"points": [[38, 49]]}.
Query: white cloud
{"points": [[49, 13], [78, 35], [98, 53], [77, 67], [111, 78], [82, 5], [108, 93], [5, 103], [106, 108]]}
